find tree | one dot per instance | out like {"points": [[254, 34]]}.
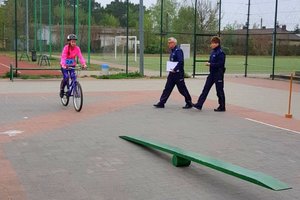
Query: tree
{"points": [[151, 39], [168, 15], [8, 11], [2, 27], [234, 26], [256, 26], [179, 16], [184, 26], [109, 20], [207, 16], [119, 10], [232, 43], [181, 24], [297, 29], [98, 13]]}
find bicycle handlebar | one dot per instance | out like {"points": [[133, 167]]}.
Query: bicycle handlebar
{"points": [[79, 67]]}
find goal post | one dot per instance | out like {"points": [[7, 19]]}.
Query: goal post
{"points": [[118, 38]]}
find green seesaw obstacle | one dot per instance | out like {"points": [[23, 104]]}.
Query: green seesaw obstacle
{"points": [[183, 158]]}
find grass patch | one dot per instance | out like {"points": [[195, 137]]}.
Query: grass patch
{"points": [[44, 76], [131, 75], [24, 76], [235, 64]]}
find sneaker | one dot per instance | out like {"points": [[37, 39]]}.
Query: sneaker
{"points": [[219, 109], [159, 105], [198, 107], [61, 93], [187, 106]]}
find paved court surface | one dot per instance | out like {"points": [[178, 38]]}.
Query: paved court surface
{"points": [[51, 152]]}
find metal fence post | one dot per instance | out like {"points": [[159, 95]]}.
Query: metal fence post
{"points": [[11, 73]]}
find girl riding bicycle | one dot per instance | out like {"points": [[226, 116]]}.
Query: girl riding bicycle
{"points": [[68, 62]]}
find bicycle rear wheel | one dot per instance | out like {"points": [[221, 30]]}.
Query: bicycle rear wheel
{"points": [[77, 97], [65, 98]]}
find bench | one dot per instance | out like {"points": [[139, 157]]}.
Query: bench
{"points": [[12, 69], [24, 55], [43, 59], [183, 158]]}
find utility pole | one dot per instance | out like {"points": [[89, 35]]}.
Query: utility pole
{"points": [[16, 38], [89, 32], [127, 34], [247, 40], [161, 35], [74, 17], [27, 30], [220, 7], [274, 40], [195, 39], [141, 36]]}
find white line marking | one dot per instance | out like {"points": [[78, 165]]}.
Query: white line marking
{"points": [[11, 133], [4, 65], [285, 129]]}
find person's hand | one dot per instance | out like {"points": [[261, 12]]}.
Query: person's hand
{"points": [[63, 66], [172, 71], [207, 64], [84, 67]]}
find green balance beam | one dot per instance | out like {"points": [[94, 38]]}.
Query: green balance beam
{"points": [[183, 158]]}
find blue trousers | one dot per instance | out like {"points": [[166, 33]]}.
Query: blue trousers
{"points": [[67, 73], [172, 80], [216, 78]]}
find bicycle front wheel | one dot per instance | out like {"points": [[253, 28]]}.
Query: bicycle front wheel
{"points": [[77, 97]]}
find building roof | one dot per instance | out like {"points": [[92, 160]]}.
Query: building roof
{"points": [[282, 33]]}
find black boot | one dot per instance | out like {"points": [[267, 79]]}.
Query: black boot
{"points": [[61, 93], [188, 106], [159, 105], [220, 109]]}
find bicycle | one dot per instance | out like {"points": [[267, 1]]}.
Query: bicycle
{"points": [[72, 89]]}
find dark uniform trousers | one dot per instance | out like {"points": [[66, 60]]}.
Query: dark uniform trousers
{"points": [[178, 80], [216, 78]]}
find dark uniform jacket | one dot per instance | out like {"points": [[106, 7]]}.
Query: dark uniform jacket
{"points": [[177, 56], [217, 60]]}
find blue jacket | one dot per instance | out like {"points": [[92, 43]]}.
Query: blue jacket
{"points": [[177, 56], [217, 60]]}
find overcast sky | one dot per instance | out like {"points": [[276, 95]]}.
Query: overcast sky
{"points": [[260, 11]]}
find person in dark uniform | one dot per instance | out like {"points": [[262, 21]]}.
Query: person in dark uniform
{"points": [[217, 68], [175, 77]]}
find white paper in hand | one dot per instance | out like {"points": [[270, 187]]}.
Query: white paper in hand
{"points": [[170, 66]]}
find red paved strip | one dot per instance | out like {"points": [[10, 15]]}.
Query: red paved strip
{"points": [[269, 118], [3, 69], [10, 187], [267, 83], [273, 119], [7, 60], [44, 123]]}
